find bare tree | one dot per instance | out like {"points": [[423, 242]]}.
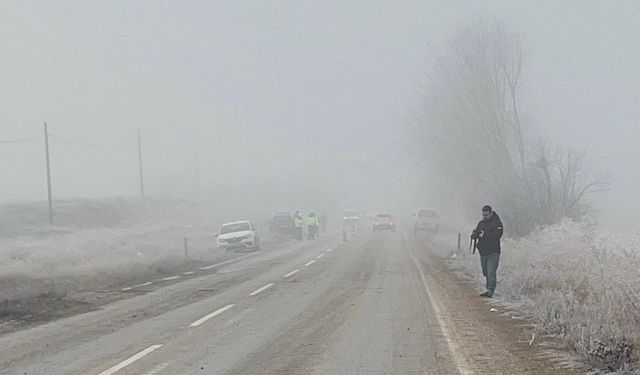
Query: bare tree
{"points": [[560, 182], [473, 134]]}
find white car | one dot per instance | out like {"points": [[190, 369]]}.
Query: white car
{"points": [[238, 235]]}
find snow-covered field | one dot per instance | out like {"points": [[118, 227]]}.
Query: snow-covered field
{"points": [[98, 243], [577, 283]]}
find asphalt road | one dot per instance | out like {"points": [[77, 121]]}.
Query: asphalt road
{"points": [[365, 307]]}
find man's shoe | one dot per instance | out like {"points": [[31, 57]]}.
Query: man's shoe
{"points": [[485, 294]]}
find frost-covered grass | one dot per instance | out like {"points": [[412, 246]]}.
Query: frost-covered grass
{"points": [[578, 283], [98, 243], [90, 258]]}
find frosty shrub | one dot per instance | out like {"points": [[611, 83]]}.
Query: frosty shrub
{"points": [[579, 284], [98, 244]]}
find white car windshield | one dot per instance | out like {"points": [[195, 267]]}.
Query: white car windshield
{"points": [[236, 227]]}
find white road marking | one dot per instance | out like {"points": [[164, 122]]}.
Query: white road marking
{"points": [[309, 263], [188, 273], [225, 262], [456, 351], [319, 256], [136, 286], [291, 273], [212, 315], [129, 361], [261, 289], [170, 278], [329, 250]]}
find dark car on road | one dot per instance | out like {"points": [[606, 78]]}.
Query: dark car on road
{"points": [[282, 222], [384, 221]]}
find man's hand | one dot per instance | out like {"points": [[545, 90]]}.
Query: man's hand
{"points": [[477, 234]]}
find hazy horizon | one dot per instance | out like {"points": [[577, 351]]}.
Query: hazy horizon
{"points": [[291, 95]]}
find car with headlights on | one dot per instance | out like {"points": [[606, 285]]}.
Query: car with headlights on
{"points": [[384, 221]]}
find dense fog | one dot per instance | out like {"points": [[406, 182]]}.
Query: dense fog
{"points": [[298, 103], [304, 186]]}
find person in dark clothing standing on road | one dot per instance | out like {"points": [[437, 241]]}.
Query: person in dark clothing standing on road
{"points": [[488, 233]]}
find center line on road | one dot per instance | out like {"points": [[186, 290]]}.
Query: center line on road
{"points": [[309, 263], [319, 256], [212, 315], [129, 361], [291, 273], [329, 250], [261, 289], [189, 273], [170, 278]]}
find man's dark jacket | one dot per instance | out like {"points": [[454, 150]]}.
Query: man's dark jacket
{"points": [[490, 242]]}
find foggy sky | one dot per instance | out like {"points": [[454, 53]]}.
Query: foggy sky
{"points": [[307, 93]]}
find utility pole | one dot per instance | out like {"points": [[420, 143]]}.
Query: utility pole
{"points": [[197, 171], [140, 163], [48, 159]]}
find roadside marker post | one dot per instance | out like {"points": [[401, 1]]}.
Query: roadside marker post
{"points": [[459, 251]]}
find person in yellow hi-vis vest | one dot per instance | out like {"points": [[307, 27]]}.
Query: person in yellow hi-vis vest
{"points": [[312, 224], [298, 223]]}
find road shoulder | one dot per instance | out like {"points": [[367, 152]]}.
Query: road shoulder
{"points": [[486, 338]]}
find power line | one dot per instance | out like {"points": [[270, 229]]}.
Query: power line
{"points": [[21, 140], [73, 141]]}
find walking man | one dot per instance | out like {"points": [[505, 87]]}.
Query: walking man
{"points": [[488, 233]]}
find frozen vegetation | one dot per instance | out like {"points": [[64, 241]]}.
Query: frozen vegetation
{"points": [[99, 243], [578, 283]]}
